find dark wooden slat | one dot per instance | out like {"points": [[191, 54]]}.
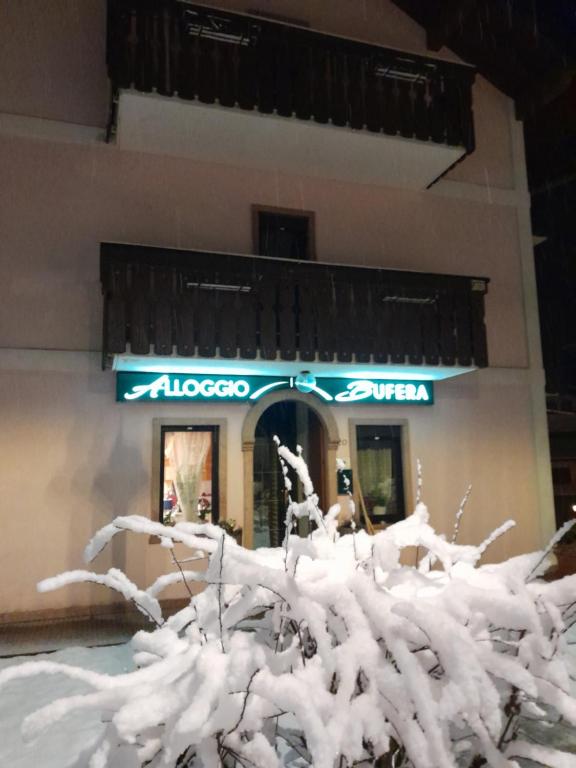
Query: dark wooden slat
{"points": [[447, 337], [339, 94], [374, 100], [187, 65], [463, 328], [143, 76], [421, 126], [185, 320], [430, 333], [363, 323], [121, 43], [398, 323], [160, 53], [247, 325], [207, 85], [437, 113], [266, 75], [414, 342], [287, 319], [162, 311], [207, 317], [284, 83], [302, 82], [324, 311], [321, 84], [170, 53], [344, 322], [247, 89], [228, 325], [306, 298], [226, 67], [406, 108], [356, 88], [390, 111], [155, 34], [115, 331], [267, 319], [383, 320], [140, 309], [479, 329]]}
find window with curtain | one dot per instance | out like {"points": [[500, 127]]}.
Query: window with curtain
{"points": [[379, 457], [189, 481]]}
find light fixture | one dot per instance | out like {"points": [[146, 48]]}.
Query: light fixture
{"points": [[305, 381]]}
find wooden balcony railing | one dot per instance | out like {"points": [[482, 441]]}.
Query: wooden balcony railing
{"points": [[175, 48], [196, 304]]}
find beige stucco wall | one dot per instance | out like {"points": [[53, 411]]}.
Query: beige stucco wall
{"points": [[70, 457], [60, 200], [52, 60]]}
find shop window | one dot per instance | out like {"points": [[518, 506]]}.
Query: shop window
{"points": [[283, 233], [189, 474], [379, 471]]}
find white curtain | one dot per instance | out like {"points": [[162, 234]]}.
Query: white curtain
{"points": [[375, 469], [187, 452]]}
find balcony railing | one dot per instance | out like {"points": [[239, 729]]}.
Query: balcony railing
{"points": [[197, 304], [175, 48]]}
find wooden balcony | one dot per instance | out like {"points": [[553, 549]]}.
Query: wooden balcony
{"points": [[205, 305], [256, 67]]}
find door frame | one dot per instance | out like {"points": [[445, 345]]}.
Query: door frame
{"points": [[249, 439]]}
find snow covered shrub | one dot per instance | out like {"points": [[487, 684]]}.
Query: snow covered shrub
{"points": [[328, 652]]}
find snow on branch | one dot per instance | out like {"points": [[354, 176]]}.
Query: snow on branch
{"points": [[328, 652], [114, 579]]}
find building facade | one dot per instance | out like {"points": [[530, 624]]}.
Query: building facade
{"points": [[271, 193]]}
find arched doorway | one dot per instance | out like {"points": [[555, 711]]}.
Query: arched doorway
{"points": [[295, 423], [326, 483]]}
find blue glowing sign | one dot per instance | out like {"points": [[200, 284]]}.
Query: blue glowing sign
{"points": [[187, 387]]}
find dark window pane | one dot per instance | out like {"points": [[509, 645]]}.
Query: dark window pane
{"points": [[283, 236], [561, 476], [379, 452]]}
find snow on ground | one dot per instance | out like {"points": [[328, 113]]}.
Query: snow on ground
{"points": [[63, 744]]}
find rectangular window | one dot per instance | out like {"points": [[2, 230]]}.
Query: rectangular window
{"points": [[283, 233], [189, 474], [379, 457]]}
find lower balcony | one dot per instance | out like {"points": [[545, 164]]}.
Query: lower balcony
{"points": [[196, 306]]}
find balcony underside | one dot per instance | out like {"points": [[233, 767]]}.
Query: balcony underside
{"points": [[215, 134], [226, 367]]}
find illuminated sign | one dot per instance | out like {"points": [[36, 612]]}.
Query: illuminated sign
{"points": [[186, 387]]}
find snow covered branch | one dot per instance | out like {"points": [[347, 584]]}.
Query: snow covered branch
{"points": [[327, 652]]}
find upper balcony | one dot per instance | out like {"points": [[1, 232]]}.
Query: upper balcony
{"points": [[215, 86], [193, 304]]}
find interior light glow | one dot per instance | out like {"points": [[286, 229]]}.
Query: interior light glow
{"points": [[394, 373], [284, 368]]}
